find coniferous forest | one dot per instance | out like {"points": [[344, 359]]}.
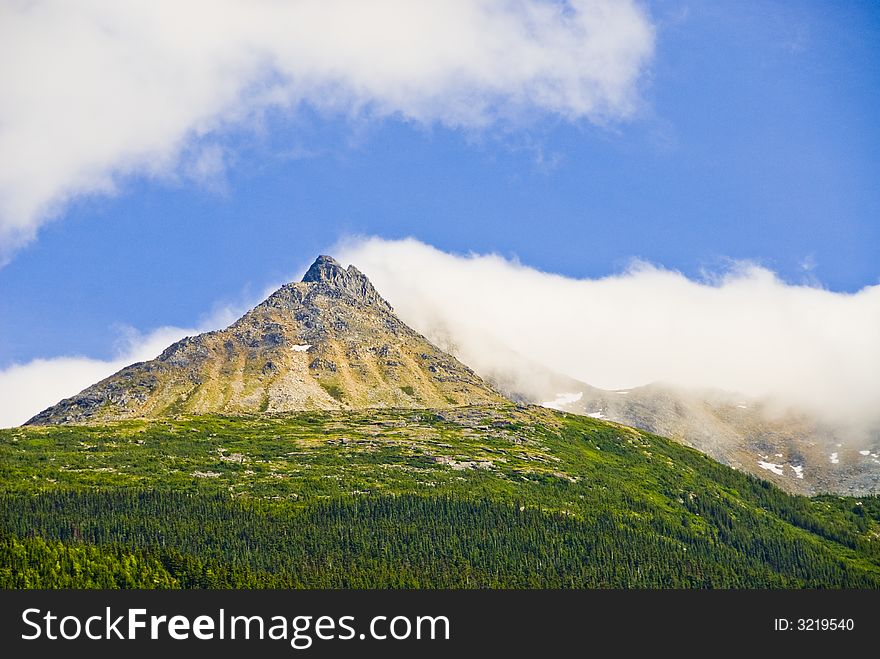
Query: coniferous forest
{"points": [[491, 498]]}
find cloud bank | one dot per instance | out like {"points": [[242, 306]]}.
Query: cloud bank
{"points": [[746, 331], [96, 90]]}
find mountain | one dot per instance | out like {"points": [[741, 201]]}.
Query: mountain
{"points": [[391, 466], [797, 451], [329, 342]]}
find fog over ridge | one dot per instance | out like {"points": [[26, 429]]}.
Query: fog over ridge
{"points": [[744, 330]]}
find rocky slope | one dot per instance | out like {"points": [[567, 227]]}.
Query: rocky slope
{"points": [[328, 342], [795, 450]]}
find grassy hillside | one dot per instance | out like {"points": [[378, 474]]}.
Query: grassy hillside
{"points": [[500, 496]]}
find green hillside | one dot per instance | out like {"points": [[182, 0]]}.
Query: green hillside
{"points": [[483, 496]]}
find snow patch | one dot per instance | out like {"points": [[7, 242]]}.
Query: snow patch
{"points": [[301, 348], [563, 399], [798, 470], [864, 453], [834, 459], [622, 392], [743, 407], [769, 466], [596, 415]]}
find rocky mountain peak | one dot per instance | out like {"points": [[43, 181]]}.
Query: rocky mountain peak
{"points": [[329, 342], [328, 271], [325, 269]]}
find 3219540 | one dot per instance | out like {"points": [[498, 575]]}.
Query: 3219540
{"points": [[813, 624]]}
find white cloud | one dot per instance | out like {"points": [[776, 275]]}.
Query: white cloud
{"points": [[746, 331], [95, 90], [26, 389]]}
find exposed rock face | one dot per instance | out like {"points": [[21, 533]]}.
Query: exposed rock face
{"points": [[328, 342], [326, 270]]}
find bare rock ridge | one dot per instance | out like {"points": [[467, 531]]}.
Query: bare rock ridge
{"points": [[325, 270], [327, 342]]}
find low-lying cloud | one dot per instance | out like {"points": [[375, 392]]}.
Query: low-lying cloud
{"points": [[96, 90], [745, 331], [26, 389], [29, 388]]}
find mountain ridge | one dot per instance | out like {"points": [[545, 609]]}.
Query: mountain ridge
{"points": [[792, 448]]}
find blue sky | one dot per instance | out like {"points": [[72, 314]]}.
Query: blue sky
{"points": [[755, 137]]}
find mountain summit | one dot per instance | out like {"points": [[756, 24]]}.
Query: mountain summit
{"points": [[326, 270], [328, 342]]}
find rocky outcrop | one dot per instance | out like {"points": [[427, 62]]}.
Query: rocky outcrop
{"points": [[325, 270]]}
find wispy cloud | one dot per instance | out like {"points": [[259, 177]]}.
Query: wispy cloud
{"points": [[744, 331], [97, 90]]}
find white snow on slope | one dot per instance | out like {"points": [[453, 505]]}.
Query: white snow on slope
{"points": [[798, 470], [301, 348], [834, 459], [769, 466], [562, 400]]}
